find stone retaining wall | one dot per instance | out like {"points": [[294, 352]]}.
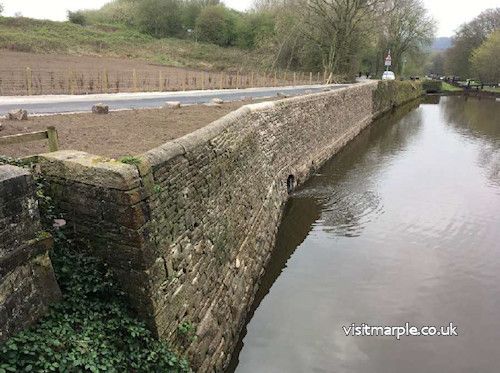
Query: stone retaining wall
{"points": [[27, 281], [190, 225]]}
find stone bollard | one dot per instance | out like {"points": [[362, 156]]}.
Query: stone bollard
{"points": [[100, 109], [20, 114]]}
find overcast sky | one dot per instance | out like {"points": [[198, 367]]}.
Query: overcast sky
{"points": [[449, 13]]}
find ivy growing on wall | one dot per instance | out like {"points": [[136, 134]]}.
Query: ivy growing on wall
{"points": [[91, 329]]}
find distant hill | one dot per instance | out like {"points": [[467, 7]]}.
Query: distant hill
{"points": [[441, 44]]}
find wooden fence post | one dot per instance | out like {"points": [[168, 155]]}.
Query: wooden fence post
{"points": [[294, 78], [53, 139], [160, 82], [71, 80], [237, 79], [310, 78], [317, 80], [106, 80], [134, 80], [252, 80], [29, 80], [203, 81]]}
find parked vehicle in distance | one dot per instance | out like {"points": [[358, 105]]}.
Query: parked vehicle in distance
{"points": [[388, 75]]}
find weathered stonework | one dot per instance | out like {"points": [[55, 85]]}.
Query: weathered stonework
{"points": [[27, 282], [190, 228]]}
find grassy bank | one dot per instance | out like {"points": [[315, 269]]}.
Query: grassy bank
{"points": [[41, 36], [447, 87]]}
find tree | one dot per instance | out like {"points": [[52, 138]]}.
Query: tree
{"points": [[192, 9], [216, 24], [254, 27], [469, 37], [407, 29], [485, 60], [159, 18], [338, 28], [436, 65], [1, 8]]}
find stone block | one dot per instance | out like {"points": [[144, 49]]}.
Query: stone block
{"points": [[100, 109]]}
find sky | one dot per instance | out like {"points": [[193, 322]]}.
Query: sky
{"points": [[449, 13]]}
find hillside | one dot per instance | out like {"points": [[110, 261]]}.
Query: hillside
{"points": [[48, 37], [441, 44]]}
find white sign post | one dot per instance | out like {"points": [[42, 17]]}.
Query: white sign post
{"points": [[388, 61]]}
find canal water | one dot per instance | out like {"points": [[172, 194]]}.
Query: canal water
{"points": [[402, 226]]}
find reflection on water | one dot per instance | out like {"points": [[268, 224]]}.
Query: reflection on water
{"points": [[401, 226]]}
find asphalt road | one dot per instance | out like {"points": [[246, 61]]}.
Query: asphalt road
{"points": [[119, 101]]}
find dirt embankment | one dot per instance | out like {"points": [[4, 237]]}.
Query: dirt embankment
{"points": [[116, 134], [36, 74]]}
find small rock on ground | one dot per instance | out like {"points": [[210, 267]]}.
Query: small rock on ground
{"points": [[173, 104], [100, 109], [212, 104], [217, 101], [17, 115]]}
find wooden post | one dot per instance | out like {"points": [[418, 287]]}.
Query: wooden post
{"points": [[68, 85], [134, 80], [317, 80], [275, 79], [29, 80], [252, 80], [284, 78], [310, 78], [203, 81], [106, 80], [237, 79], [294, 78], [160, 82], [71, 80], [53, 139], [186, 78], [221, 80]]}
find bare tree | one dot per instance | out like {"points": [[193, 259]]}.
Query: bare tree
{"points": [[406, 29], [338, 28]]}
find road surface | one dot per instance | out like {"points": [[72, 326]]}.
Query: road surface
{"points": [[55, 104]]}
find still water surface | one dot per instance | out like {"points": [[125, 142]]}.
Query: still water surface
{"points": [[402, 226]]}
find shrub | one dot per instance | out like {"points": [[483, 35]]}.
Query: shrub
{"points": [[77, 18], [216, 24]]}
